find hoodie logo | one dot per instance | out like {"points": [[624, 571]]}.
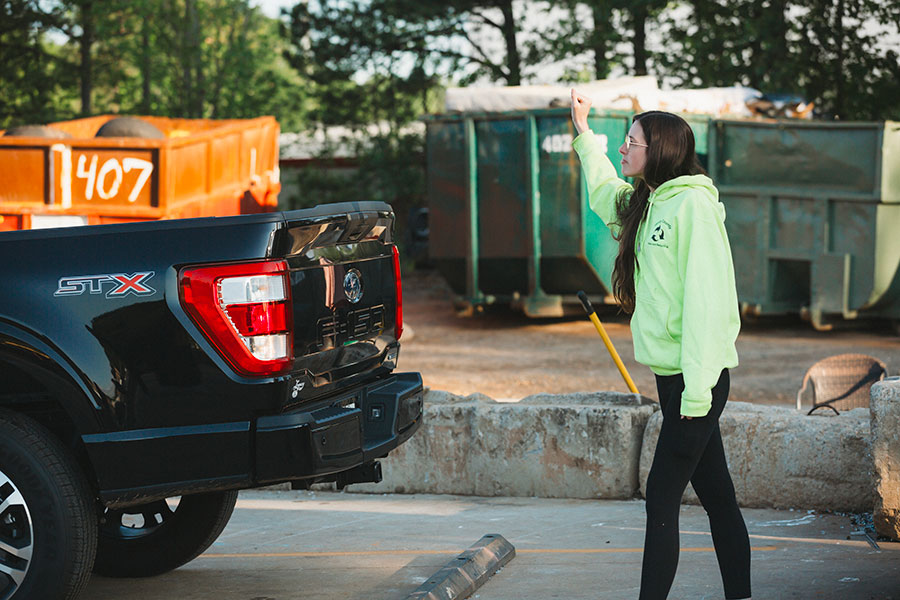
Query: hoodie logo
{"points": [[662, 233]]}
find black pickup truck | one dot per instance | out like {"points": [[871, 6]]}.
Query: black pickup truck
{"points": [[149, 371]]}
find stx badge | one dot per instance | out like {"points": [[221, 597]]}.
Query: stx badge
{"points": [[124, 284]]}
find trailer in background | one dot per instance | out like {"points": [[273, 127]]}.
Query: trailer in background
{"points": [[65, 174]]}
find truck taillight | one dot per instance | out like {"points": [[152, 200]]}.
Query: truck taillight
{"points": [[245, 311], [399, 289]]}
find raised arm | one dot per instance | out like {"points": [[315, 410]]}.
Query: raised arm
{"points": [[603, 183]]}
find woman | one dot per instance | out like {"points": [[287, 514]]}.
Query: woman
{"points": [[674, 274]]}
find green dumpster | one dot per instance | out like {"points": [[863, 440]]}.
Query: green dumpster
{"points": [[813, 211], [700, 125], [813, 216], [509, 220], [508, 212]]}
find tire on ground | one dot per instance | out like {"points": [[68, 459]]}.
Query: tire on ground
{"points": [[165, 539], [41, 131], [129, 127], [47, 508]]}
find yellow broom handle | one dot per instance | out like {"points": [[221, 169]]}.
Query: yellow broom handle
{"points": [[592, 314]]}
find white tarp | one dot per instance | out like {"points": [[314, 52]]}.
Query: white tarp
{"points": [[608, 93], [629, 93]]}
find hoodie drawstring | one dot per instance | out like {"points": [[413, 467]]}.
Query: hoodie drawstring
{"points": [[642, 229]]}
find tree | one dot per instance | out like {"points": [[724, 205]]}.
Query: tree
{"points": [[33, 77], [180, 58], [440, 39], [826, 51], [475, 18], [86, 49], [639, 13], [198, 58], [612, 32], [724, 42], [368, 62], [845, 71], [371, 67]]}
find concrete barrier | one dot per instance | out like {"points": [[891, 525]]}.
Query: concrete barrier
{"points": [[600, 445], [781, 458], [554, 446], [885, 410]]}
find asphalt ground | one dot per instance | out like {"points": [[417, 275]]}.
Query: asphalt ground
{"points": [[282, 545]]}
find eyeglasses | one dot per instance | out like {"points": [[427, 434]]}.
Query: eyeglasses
{"points": [[629, 143]]}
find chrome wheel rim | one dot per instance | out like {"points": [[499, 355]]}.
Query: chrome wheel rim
{"points": [[16, 537], [139, 521]]}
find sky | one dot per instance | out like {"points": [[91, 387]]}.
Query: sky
{"points": [[271, 7]]}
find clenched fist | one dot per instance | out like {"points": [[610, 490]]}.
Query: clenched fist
{"points": [[581, 107]]}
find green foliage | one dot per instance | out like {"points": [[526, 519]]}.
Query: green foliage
{"points": [[844, 69], [389, 168], [213, 58], [574, 39], [601, 30], [33, 73], [827, 51], [355, 62], [178, 58], [369, 62], [359, 63], [339, 39], [383, 61]]}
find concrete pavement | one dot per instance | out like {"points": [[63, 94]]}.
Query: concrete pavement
{"points": [[283, 545]]}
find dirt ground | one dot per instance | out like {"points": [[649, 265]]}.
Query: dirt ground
{"points": [[507, 356]]}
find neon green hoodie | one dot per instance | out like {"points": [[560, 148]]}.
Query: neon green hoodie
{"points": [[686, 309]]}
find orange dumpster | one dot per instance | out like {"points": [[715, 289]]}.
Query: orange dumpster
{"points": [[192, 168]]}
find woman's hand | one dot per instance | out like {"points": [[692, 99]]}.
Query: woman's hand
{"points": [[581, 107]]}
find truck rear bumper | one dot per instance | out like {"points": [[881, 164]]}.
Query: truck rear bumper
{"points": [[346, 432], [352, 430]]}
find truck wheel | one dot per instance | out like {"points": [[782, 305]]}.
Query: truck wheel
{"points": [[48, 523], [153, 538]]}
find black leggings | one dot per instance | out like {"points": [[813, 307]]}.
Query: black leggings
{"points": [[692, 450]]}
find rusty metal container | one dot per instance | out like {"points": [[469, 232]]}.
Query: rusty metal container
{"points": [[813, 216], [509, 219], [196, 168]]}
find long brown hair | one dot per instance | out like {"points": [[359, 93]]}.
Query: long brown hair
{"points": [[670, 154]]}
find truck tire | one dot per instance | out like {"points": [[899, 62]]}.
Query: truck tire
{"points": [[154, 538], [129, 127], [48, 519]]}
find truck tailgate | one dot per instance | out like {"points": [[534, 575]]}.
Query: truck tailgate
{"points": [[344, 279]]}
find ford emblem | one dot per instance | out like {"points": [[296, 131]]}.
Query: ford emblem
{"points": [[353, 286]]}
